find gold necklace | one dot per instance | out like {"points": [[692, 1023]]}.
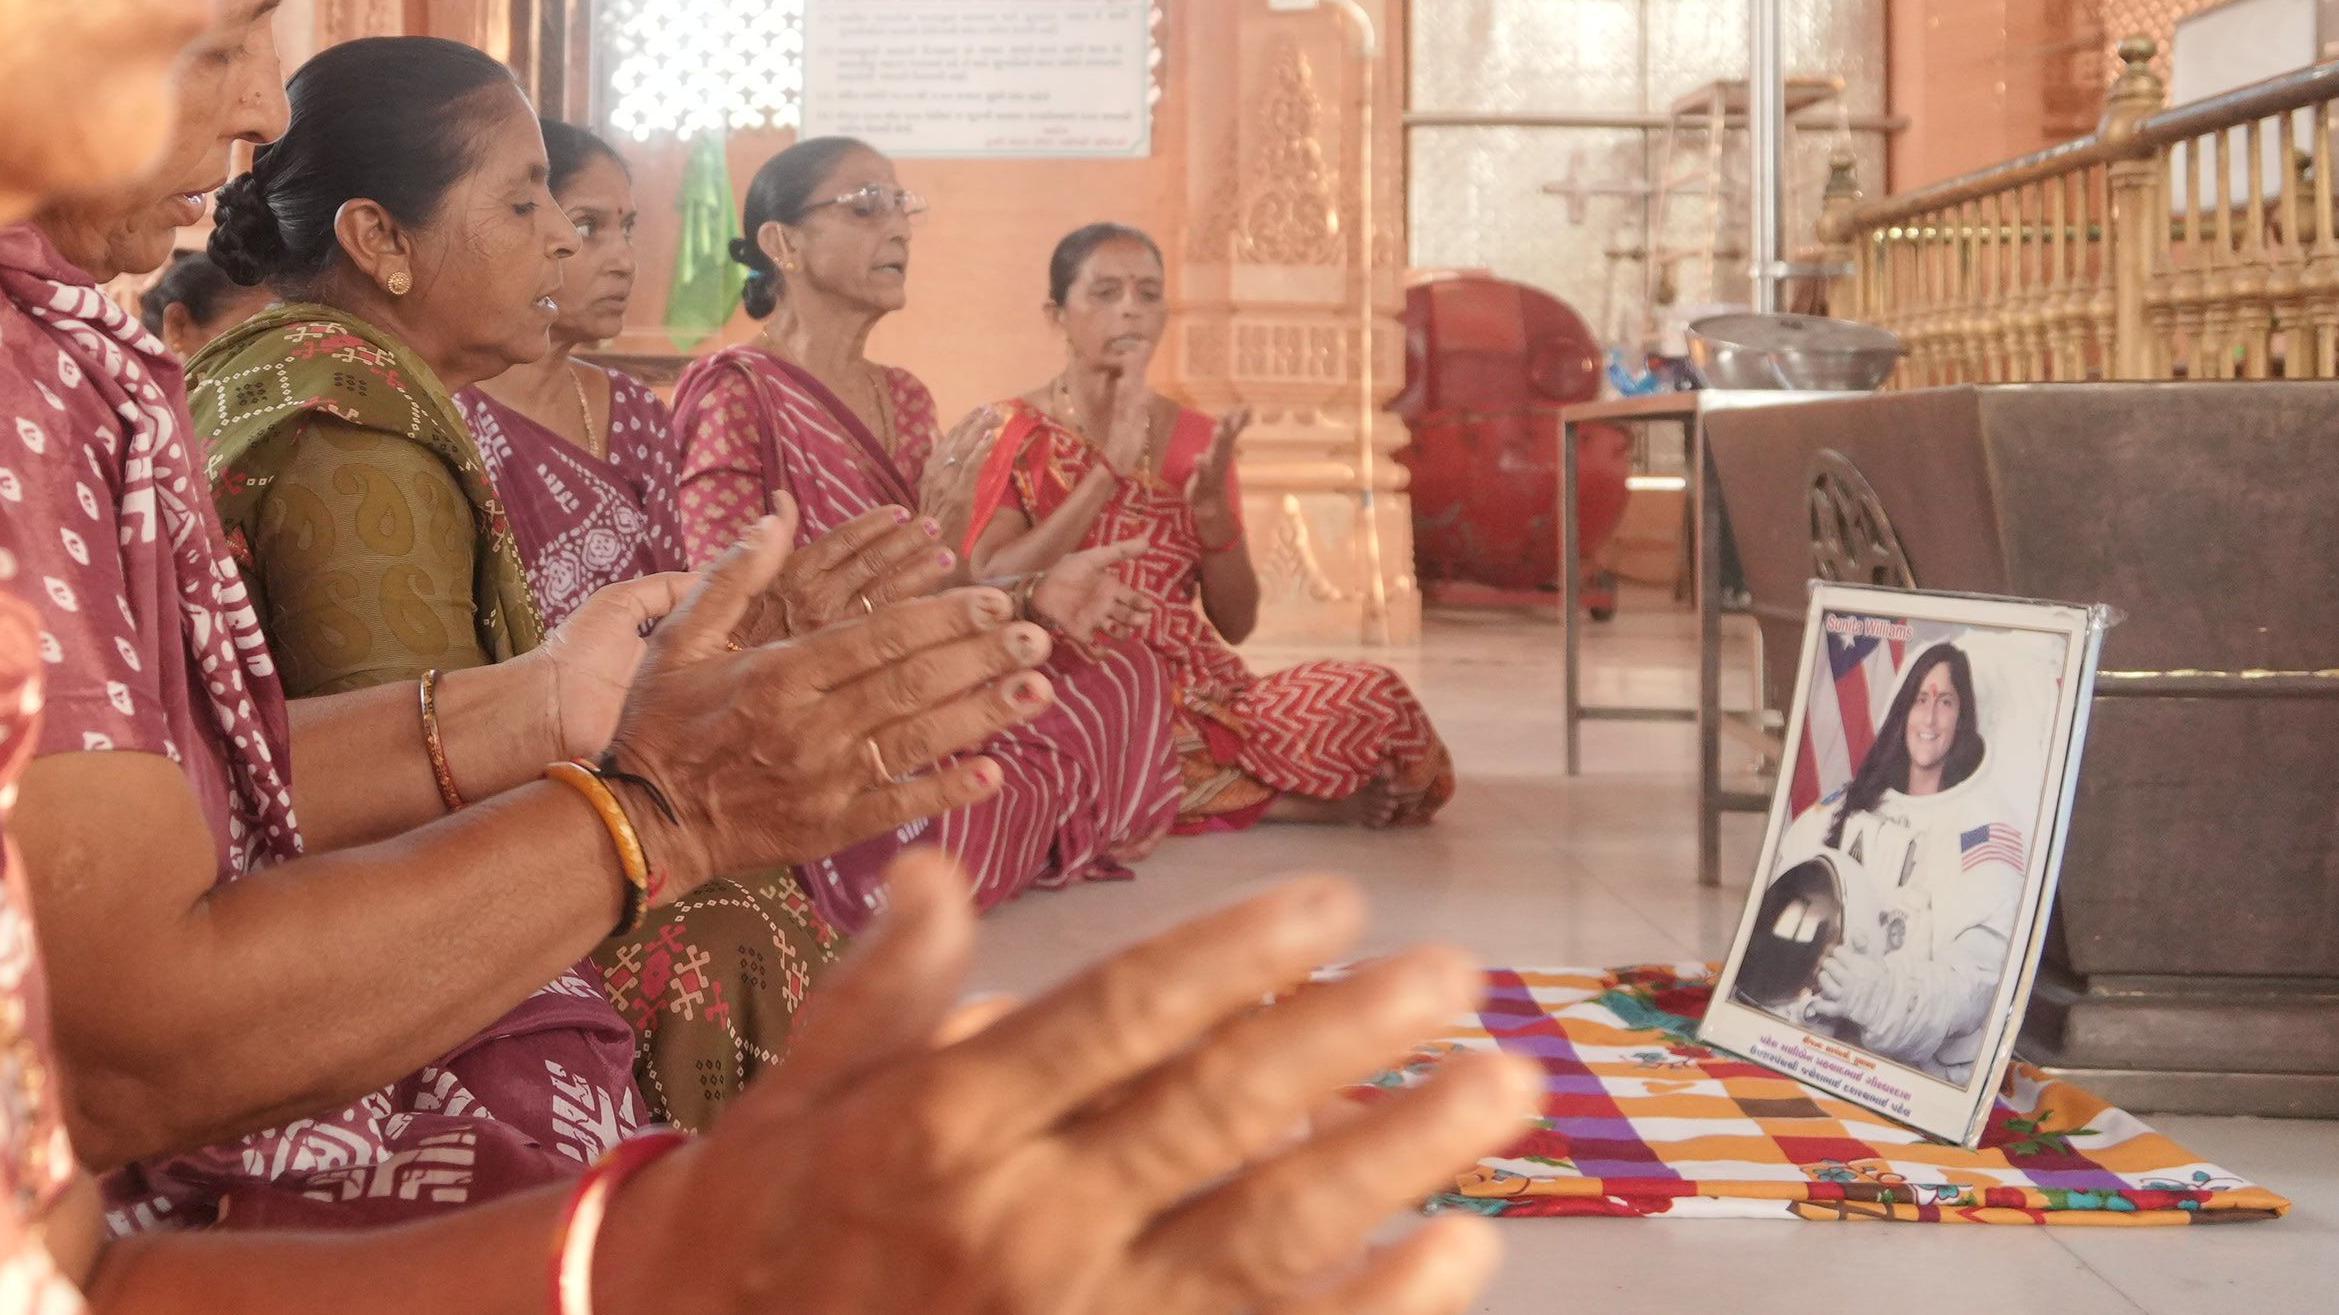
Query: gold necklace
{"points": [[599, 449], [1071, 412]]}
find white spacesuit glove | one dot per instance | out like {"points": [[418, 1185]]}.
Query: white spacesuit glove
{"points": [[1854, 985]]}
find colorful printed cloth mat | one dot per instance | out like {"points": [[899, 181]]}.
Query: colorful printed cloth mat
{"points": [[1641, 1120]]}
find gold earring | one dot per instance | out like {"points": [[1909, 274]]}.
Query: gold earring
{"points": [[787, 267], [399, 284]]}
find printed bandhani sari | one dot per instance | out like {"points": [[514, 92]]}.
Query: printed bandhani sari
{"points": [[152, 646], [1322, 730], [1090, 785], [711, 986], [584, 522]]}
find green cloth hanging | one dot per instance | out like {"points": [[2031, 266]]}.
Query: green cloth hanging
{"points": [[706, 279]]}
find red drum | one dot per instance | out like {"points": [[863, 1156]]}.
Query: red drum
{"points": [[1488, 364]]}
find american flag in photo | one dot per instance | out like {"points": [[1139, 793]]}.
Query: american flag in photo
{"points": [[1995, 843], [1840, 722]]}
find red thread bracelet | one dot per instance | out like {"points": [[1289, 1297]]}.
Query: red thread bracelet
{"points": [[580, 1223]]}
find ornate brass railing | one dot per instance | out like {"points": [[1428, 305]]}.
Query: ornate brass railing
{"points": [[2165, 245]]}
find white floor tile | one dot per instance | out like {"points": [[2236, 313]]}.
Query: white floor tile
{"points": [[2291, 1264], [1529, 868], [1754, 1267]]}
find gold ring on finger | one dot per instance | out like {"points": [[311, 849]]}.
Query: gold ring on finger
{"points": [[877, 760]]}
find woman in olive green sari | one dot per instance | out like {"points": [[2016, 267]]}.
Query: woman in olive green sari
{"points": [[418, 248], [356, 504]]}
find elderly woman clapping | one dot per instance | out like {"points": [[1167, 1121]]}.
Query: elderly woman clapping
{"points": [[1069, 1153], [253, 922]]}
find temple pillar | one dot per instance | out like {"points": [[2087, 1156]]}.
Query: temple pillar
{"points": [[1267, 305]]}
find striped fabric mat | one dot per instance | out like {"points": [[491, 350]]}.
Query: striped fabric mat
{"points": [[1641, 1120]]}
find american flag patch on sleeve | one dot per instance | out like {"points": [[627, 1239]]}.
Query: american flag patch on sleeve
{"points": [[1995, 843]]}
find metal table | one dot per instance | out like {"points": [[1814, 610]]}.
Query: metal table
{"points": [[1688, 410]]}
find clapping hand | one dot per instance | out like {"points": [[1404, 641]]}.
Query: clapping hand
{"points": [[788, 751], [1128, 437], [879, 557], [1126, 1140], [592, 656], [884, 556], [1215, 515], [1082, 596]]}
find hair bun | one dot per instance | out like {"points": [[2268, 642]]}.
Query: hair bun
{"points": [[744, 252], [760, 294], [246, 242]]}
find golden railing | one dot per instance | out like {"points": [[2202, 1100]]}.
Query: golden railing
{"points": [[2170, 243]]}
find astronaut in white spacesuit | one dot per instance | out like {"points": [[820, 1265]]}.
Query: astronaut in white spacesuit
{"points": [[1932, 864]]}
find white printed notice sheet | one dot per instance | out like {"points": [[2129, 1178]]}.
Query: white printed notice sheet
{"points": [[982, 78]]}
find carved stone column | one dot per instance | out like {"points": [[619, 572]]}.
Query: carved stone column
{"points": [[1267, 309]]}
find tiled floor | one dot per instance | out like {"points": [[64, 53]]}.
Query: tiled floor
{"points": [[1528, 868]]}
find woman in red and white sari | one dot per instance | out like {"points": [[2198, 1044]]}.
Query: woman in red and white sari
{"points": [[801, 414], [1095, 456]]}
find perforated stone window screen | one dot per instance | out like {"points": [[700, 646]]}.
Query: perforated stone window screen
{"points": [[679, 68]]}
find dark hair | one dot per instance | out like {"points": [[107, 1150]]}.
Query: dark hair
{"points": [[782, 194], [390, 119], [570, 148], [1081, 243], [192, 280], [1887, 765]]}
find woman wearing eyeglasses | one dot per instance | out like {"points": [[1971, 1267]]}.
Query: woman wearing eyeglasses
{"points": [[583, 461], [800, 416]]}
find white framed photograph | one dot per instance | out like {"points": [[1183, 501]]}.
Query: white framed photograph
{"points": [[1889, 942]]}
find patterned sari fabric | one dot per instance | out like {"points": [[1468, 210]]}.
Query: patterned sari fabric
{"points": [[152, 646], [1641, 1121], [36, 1160], [303, 372], [581, 521], [1323, 730], [1090, 785], [385, 540], [710, 986]]}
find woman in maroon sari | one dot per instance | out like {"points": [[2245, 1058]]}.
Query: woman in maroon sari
{"points": [[1096, 456], [583, 457], [584, 461], [315, 997], [801, 412]]}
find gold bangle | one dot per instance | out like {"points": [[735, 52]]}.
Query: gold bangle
{"points": [[630, 857], [1021, 596], [435, 746]]}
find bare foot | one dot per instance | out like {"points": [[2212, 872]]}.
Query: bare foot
{"points": [[1376, 803], [1373, 807]]}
